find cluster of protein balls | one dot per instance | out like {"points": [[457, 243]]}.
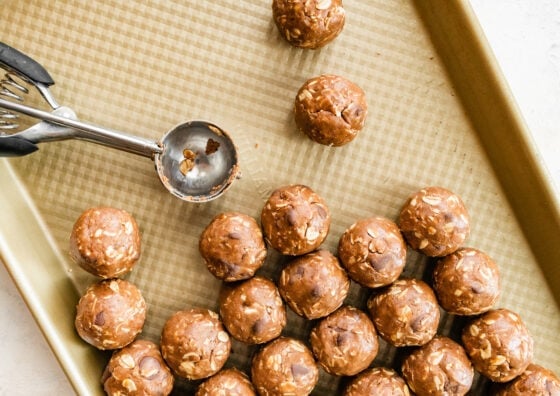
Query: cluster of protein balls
{"points": [[405, 312], [195, 343]]}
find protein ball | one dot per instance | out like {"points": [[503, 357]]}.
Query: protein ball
{"points": [[105, 242], [194, 343], [308, 24], [467, 282], [314, 285], [441, 367], [406, 313], [228, 382], [284, 367], [373, 252], [110, 314], [345, 342], [377, 381], [330, 109], [434, 221], [137, 369], [295, 220], [252, 311], [498, 344], [535, 380], [232, 246]]}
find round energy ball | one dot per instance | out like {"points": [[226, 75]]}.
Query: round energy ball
{"points": [[105, 242], [314, 285], [194, 343], [252, 310], [330, 109], [498, 344], [406, 313], [110, 314], [434, 221], [373, 252], [345, 342], [295, 220], [308, 24], [441, 367], [284, 366], [232, 246], [139, 369], [467, 282]]}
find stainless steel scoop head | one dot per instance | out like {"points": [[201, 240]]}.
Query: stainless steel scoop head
{"points": [[198, 161]]}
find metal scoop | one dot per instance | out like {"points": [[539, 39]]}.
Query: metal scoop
{"points": [[196, 161]]}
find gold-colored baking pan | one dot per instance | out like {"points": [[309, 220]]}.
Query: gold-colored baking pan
{"points": [[439, 114]]}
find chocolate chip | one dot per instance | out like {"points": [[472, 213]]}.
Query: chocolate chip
{"points": [[316, 292], [321, 211], [417, 323], [381, 262], [211, 146], [299, 370], [99, 319], [234, 235], [341, 338], [477, 287], [258, 326], [291, 217]]}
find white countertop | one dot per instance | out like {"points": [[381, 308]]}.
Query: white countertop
{"points": [[525, 36]]}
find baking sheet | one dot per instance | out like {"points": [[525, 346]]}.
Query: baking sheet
{"points": [[143, 68]]}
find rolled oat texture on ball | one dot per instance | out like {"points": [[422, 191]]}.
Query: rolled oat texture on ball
{"points": [[373, 252], [105, 242], [377, 381], [137, 369], [284, 366], [227, 382], [110, 314], [232, 246], [498, 344], [252, 310], [330, 109], [295, 220], [467, 282], [441, 367], [314, 285], [345, 342], [194, 343], [308, 23], [434, 221], [405, 313], [535, 380]]}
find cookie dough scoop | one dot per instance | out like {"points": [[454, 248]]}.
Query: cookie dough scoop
{"points": [[196, 161]]}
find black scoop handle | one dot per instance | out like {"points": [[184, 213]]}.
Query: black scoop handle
{"points": [[24, 65], [16, 61], [13, 146]]}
